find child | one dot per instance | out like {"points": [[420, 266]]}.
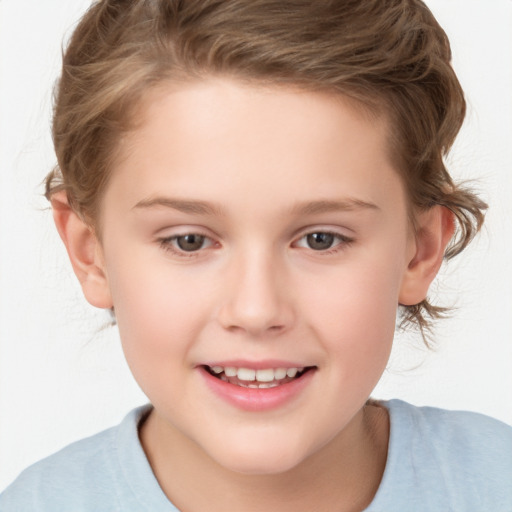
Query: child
{"points": [[253, 187]]}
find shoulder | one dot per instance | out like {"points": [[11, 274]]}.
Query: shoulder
{"points": [[456, 460], [462, 435], [83, 474]]}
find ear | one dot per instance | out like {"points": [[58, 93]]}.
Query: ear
{"points": [[84, 251], [434, 230]]}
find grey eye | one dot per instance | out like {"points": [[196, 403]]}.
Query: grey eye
{"points": [[191, 242], [320, 241]]}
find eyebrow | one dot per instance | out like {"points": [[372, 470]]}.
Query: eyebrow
{"points": [[182, 205], [327, 206], [206, 208]]}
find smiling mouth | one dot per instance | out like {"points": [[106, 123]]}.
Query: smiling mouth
{"points": [[257, 379]]}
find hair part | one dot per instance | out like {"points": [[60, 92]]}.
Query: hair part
{"points": [[390, 56]]}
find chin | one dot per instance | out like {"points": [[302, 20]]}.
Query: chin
{"points": [[258, 460]]}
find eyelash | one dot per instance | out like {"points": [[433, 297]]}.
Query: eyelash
{"points": [[168, 243], [340, 242]]}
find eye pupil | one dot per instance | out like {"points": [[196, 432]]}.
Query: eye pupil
{"points": [[190, 242], [320, 241]]}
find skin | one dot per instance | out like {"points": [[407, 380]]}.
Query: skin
{"points": [[272, 165]]}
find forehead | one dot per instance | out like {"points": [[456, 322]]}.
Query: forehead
{"points": [[223, 139]]}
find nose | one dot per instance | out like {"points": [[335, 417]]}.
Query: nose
{"points": [[258, 300]]}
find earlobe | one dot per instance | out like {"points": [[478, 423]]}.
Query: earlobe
{"points": [[434, 230], [84, 251]]}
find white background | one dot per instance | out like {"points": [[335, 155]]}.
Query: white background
{"points": [[62, 377]]}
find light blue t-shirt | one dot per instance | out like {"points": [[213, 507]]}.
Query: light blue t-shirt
{"points": [[438, 461]]}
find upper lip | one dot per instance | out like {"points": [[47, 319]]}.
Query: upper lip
{"points": [[256, 365]]}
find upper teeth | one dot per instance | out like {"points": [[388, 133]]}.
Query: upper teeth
{"points": [[264, 375]]}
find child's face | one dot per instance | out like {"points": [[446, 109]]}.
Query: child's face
{"points": [[255, 228]]}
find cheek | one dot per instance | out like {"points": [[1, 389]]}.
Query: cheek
{"points": [[157, 311], [355, 309]]}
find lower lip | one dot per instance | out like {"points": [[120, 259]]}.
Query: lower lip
{"points": [[255, 399]]}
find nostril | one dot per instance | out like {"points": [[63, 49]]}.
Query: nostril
{"points": [[255, 313]]}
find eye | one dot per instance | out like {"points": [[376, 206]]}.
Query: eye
{"points": [[322, 241], [189, 243]]}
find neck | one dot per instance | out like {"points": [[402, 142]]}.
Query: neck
{"points": [[343, 476]]}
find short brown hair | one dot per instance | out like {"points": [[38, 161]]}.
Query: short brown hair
{"points": [[389, 55]]}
